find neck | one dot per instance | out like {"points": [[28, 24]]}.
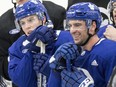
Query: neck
{"points": [[92, 41]]}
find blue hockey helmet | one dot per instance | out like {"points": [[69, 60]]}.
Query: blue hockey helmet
{"points": [[84, 11], [31, 7]]}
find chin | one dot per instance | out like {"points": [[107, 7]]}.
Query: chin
{"points": [[27, 34], [76, 42]]}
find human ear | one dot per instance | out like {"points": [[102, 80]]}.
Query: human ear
{"points": [[92, 29]]}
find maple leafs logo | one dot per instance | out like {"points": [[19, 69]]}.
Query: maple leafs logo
{"points": [[91, 6]]}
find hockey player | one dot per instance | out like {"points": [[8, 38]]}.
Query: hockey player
{"points": [[25, 56], [110, 33], [97, 56], [64, 73], [6, 38]]}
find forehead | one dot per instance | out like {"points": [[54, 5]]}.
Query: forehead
{"points": [[28, 17], [76, 21]]}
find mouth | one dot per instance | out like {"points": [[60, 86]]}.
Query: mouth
{"points": [[76, 38], [115, 17], [29, 32]]}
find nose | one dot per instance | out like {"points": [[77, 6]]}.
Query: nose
{"points": [[72, 29], [27, 26]]}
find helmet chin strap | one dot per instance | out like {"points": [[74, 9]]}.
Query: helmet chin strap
{"points": [[89, 36], [88, 24]]}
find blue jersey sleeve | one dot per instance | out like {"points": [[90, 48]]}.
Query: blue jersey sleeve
{"points": [[101, 31], [63, 37], [20, 66]]}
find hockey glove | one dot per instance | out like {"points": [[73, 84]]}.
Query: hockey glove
{"points": [[75, 78], [30, 43], [45, 34], [41, 33], [41, 62], [67, 51]]}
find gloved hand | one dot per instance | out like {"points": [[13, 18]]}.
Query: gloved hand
{"points": [[30, 43], [40, 62], [67, 51], [45, 34], [75, 78], [42, 33]]}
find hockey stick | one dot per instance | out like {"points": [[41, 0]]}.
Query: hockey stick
{"points": [[42, 50], [39, 75]]}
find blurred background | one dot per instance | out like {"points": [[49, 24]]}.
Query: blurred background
{"points": [[7, 4]]}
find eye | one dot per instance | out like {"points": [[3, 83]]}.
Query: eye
{"points": [[77, 25], [22, 23], [31, 19]]}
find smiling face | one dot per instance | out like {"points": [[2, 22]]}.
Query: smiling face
{"points": [[79, 30], [30, 23]]}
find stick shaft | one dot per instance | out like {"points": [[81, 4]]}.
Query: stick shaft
{"points": [[39, 75]]}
